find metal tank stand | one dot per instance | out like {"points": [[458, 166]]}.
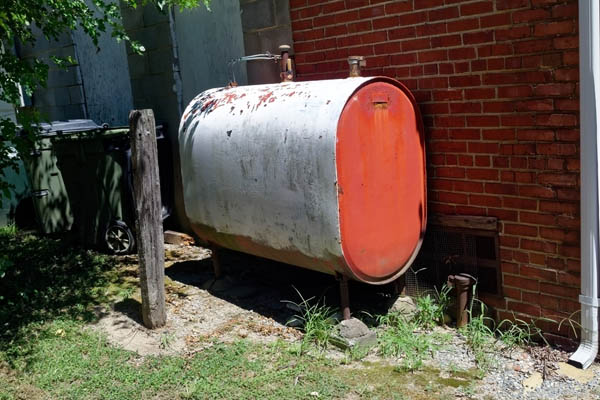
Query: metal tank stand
{"points": [[216, 261], [344, 296]]}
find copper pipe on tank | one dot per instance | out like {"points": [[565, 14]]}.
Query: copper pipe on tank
{"points": [[355, 63], [462, 284], [286, 74]]}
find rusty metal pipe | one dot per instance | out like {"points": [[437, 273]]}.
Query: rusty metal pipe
{"points": [[462, 284], [216, 261], [344, 296], [286, 74], [355, 63]]}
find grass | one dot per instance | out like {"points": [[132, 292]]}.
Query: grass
{"points": [[50, 290]]}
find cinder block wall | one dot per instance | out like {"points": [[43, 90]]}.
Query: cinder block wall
{"points": [[266, 26], [497, 83]]}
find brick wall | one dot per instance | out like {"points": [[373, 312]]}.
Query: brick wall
{"points": [[497, 84]]}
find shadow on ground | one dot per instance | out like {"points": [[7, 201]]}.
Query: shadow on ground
{"points": [[271, 288]]}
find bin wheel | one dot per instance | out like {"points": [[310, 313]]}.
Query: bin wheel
{"points": [[118, 238]]}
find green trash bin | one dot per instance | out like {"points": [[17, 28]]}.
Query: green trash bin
{"points": [[17, 193], [81, 182]]}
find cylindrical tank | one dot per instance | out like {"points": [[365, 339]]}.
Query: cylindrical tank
{"points": [[327, 175]]}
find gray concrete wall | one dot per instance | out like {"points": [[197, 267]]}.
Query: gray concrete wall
{"points": [[165, 77], [207, 41], [105, 76], [62, 98], [266, 25]]}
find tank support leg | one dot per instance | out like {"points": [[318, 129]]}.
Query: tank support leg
{"points": [[344, 296], [399, 286], [216, 262]]}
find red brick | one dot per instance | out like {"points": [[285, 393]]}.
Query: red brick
{"points": [[554, 89], [413, 18], [530, 15], [557, 120], [532, 46], [571, 42], [428, 3], [432, 56], [515, 32], [520, 203], [404, 59], [465, 80], [518, 120], [461, 53], [538, 245], [508, 4], [522, 283], [480, 7], [442, 13], [462, 25], [559, 290], [398, 7], [402, 33], [333, 7], [500, 188], [499, 106], [535, 105], [478, 37], [461, 108], [482, 174], [565, 11], [467, 186], [553, 28], [486, 201], [541, 274], [520, 230], [495, 19], [465, 134], [515, 91]]}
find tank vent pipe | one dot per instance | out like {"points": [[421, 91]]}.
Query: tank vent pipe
{"points": [[356, 63]]}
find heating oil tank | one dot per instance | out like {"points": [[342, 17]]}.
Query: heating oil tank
{"points": [[327, 175]]}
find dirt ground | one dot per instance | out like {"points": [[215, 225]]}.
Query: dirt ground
{"points": [[254, 299]]}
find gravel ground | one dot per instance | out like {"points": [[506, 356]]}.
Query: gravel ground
{"points": [[252, 301]]}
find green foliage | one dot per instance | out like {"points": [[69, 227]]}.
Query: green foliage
{"points": [[431, 308], [23, 22], [482, 333], [317, 322], [400, 337]]}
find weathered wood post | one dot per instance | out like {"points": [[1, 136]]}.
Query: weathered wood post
{"points": [[146, 194]]}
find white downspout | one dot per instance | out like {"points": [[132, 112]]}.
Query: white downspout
{"points": [[589, 71]]}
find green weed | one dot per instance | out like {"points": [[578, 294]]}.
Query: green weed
{"points": [[400, 338], [317, 322], [432, 307]]}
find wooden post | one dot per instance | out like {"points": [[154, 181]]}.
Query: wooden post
{"points": [[148, 211]]}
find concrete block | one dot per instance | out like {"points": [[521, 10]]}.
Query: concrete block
{"points": [[138, 66], [353, 332], [76, 94], [257, 15], [271, 39], [153, 15], [74, 111], [178, 238], [404, 305], [160, 61], [133, 18], [282, 12]]}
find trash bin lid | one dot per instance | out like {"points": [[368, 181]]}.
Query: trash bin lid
{"points": [[71, 126]]}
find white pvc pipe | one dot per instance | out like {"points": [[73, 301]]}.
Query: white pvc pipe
{"points": [[589, 69]]}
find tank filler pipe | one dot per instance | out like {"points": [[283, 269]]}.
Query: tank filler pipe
{"points": [[589, 69]]}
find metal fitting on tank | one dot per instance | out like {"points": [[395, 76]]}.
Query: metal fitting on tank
{"points": [[356, 63], [286, 74]]}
